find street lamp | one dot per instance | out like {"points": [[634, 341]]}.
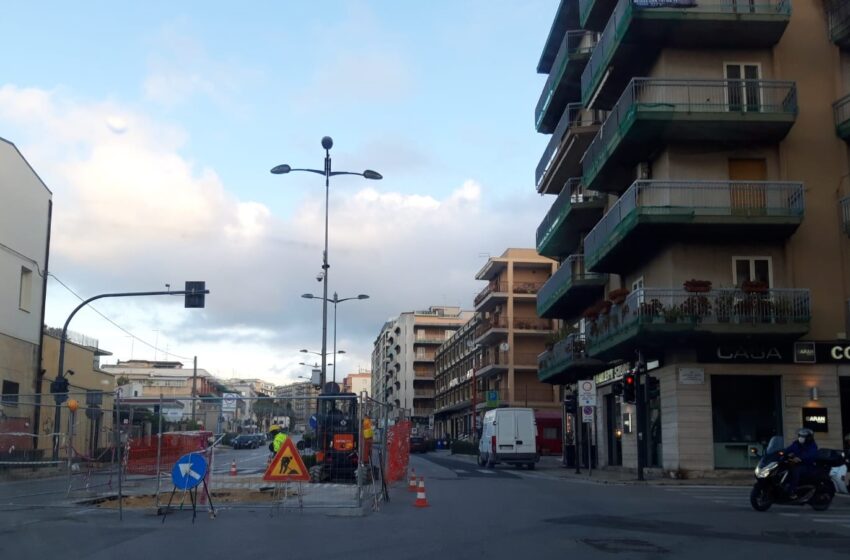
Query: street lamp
{"points": [[327, 144], [335, 301]]}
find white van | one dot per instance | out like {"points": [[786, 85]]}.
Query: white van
{"points": [[509, 435]]}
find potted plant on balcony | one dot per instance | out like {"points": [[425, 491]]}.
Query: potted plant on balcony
{"points": [[754, 287], [651, 310], [696, 307], [783, 309], [618, 296], [672, 314], [697, 286], [723, 304], [579, 347]]}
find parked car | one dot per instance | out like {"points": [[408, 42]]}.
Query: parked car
{"points": [[418, 444], [261, 439], [509, 435], [244, 441]]}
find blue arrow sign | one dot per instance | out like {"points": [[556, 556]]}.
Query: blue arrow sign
{"points": [[189, 471], [313, 421]]}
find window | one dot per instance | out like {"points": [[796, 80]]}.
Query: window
{"points": [[754, 269], [637, 284], [743, 92], [25, 293], [9, 395]]}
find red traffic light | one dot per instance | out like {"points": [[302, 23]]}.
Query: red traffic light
{"points": [[629, 379]]}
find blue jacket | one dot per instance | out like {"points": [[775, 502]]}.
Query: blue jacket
{"points": [[806, 452]]}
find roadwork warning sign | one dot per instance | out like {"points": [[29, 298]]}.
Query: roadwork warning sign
{"points": [[287, 465]]}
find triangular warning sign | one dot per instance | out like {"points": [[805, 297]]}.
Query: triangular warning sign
{"points": [[287, 465]]}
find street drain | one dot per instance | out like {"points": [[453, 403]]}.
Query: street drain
{"points": [[616, 546]]}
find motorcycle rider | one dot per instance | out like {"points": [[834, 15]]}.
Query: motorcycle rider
{"points": [[803, 452]]}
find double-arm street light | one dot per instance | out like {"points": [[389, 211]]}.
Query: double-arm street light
{"points": [[336, 300], [327, 144]]}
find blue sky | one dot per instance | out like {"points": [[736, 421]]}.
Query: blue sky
{"points": [[197, 100]]}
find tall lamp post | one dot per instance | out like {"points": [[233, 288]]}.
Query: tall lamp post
{"points": [[336, 300], [327, 144]]}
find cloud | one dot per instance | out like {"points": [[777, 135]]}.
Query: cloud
{"points": [[131, 212]]}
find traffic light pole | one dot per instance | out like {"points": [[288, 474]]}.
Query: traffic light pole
{"points": [[640, 412]]}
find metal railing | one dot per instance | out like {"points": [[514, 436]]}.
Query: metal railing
{"points": [[574, 42], [572, 193], [686, 97], [564, 351], [497, 287], [839, 20], [521, 323], [623, 12], [845, 214], [571, 269], [575, 115], [423, 393], [715, 307], [429, 339], [696, 198], [424, 356], [841, 111]]}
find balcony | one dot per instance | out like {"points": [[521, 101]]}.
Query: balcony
{"points": [[496, 292], [839, 22], [841, 110], [569, 290], [423, 357], [652, 112], [562, 157], [574, 211], [423, 393], [565, 18], [638, 29], [845, 214], [652, 213], [436, 340], [496, 328], [659, 317], [563, 84], [567, 362]]}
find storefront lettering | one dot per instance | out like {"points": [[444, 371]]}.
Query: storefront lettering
{"points": [[840, 352], [751, 354]]}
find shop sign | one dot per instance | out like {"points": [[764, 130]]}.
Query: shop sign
{"points": [[816, 419], [805, 353], [746, 354], [612, 374], [823, 352]]}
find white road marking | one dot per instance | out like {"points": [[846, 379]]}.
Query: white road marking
{"points": [[461, 471], [486, 472]]}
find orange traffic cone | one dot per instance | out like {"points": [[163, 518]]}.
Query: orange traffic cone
{"points": [[421, 500], [233, 468], [411, 483]]}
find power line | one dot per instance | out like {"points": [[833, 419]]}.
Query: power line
{"points": [[116, 324]]}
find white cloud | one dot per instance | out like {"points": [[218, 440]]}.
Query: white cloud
{"points": [[132, 213]]}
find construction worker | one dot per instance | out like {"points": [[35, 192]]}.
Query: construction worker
{"points": [[278, 438], [368, 434]]}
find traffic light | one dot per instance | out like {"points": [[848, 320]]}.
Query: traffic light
{"points": [[629, 387], [653, 388], [570, 404]]}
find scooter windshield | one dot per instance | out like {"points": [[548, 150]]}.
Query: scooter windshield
{"points": [[775, 445]]}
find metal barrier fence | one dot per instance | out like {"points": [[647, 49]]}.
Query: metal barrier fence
{"points": [[121, 453]]}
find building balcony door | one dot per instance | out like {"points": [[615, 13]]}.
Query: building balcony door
{"points": [[748, 197]]}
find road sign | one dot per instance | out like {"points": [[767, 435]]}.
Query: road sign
{"points": [[228, 402], [587, 392], [314, 422], [587, 414], [287, 465], [189, 471]]}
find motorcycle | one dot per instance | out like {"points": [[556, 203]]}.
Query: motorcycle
{"points": [[816, 490]]}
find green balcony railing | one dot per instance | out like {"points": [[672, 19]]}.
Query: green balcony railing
{"points": [[571, 271], [845, 216], [572, 194], [672, 308], [574, 116], [562, 354], [841, 111], [839, 21], [626, 10], [744, 199], [687, 97], [576, 44]]}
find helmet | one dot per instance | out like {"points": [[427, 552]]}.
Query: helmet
{"points": [[274, 428], [806, 434]]}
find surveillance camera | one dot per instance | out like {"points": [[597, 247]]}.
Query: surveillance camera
{"points": [[320, 276]]}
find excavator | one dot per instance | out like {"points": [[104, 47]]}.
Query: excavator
{"points": [[337, 436]]}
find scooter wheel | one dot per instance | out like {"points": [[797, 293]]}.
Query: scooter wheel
{"points": [[760, 498], [821, 502]]}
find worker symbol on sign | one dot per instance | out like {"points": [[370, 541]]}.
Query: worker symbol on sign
{"points": [[287, 465]]}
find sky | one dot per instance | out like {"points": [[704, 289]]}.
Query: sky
{"points": [[155, 125]]}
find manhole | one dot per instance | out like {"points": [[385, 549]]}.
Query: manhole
{"points": [[615, 546]]}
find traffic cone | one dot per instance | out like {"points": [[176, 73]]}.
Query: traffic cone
{"points": [[233, 468], [421, 500], [411, 483]]}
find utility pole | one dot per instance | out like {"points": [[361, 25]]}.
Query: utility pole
{"points": [[640, 413]]}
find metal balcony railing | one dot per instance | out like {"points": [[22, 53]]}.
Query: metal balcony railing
{"points": [[520, 323], [715, 307], [841, 111], [839, 20], [845, 214], [564, 352], [620, 19], [695, 198], [572, 193], [686, 97], [574, 43], [498, 287], [574, 116], [571, 270]]}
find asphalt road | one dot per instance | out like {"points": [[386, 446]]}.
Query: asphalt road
{"points": [[508, 514]]}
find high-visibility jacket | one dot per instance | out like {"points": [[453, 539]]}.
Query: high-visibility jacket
{"points": [[278, 441], [367, 429]]}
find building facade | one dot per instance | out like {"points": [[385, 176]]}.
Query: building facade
{"points": [[403, 360], [302, 396], [358, 383], [455, 363], [25, 217], [699, 174]]}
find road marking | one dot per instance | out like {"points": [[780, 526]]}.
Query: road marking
{"points": [[461, 471], [486, 472]]}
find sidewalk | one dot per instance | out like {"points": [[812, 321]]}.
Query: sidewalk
{"points": [[550, 466]]}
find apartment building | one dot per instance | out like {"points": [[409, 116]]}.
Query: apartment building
{"points": [[403, 360], [702, 227], [302, 396], [357, 383], [455, 363]]}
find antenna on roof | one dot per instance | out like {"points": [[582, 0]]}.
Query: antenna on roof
{"points": [[483, 255]]}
